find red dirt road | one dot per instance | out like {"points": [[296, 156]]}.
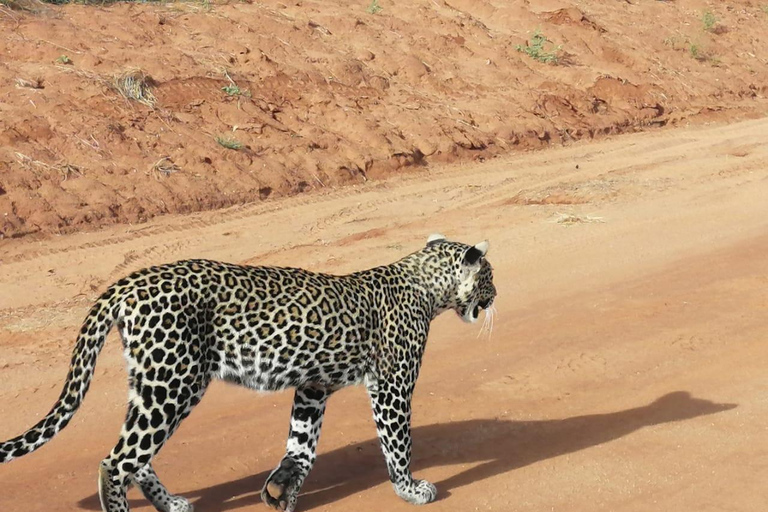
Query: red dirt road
{"points": [[626, 370]]}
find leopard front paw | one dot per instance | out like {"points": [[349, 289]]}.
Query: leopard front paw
{"points": [[281, 489], [180, 504], [418, 492]]}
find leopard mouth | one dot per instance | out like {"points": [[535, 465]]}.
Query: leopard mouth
{"points": [[472, 312]]}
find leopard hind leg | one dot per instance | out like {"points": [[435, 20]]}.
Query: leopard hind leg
{"points": [[155, 410], [146, 479]]}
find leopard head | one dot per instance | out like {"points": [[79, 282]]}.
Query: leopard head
{"points": [[471, 286]]}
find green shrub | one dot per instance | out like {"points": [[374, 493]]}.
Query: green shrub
{"points": [[541, 49]]}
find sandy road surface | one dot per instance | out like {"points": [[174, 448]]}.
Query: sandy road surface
{"points": [[627, 368]]}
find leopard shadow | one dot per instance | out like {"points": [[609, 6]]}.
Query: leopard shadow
{"points": [[500, 445]]}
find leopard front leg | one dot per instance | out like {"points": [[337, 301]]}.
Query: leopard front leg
{"points": [[391, 403], [282, 487]]}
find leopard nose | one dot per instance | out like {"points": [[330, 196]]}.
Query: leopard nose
{"points": [[484, 303]]}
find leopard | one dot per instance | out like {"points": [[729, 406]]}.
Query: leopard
{"points": [[266, 328]]}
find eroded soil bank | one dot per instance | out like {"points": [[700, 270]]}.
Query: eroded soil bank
{"points": [[326, 93]]}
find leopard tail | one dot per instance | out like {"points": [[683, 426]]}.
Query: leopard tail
{"points": [[90, 341]]}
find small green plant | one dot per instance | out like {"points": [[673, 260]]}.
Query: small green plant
{"points": [[231, 90], [541, 49], [374, 7], [765, 8], [234, 90], [709, 20], [695, 51], [229, 143], [701, 55], [64, 60]]}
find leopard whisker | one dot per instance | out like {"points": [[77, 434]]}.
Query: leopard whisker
{"points": [[487, 326], [490, 314], [493, 319], [482, 327]]}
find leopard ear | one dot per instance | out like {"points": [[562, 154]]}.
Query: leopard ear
{"points": [[474, 254], [435, 238], [483, 247]]}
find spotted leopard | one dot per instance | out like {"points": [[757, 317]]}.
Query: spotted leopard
{"points": [[184, 324]]}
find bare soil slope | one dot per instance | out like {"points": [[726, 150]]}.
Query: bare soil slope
{"points": [[626, 370], [331, 94]]}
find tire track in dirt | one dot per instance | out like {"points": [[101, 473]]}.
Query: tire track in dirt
{"points": [[456, 176], [546, 179]]}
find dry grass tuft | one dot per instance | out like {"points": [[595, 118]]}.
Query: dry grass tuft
{"points": [[569, 219], [163, 167], [33, 6], [133, 84], [65, 170], [136, 85], [36, 83]]}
